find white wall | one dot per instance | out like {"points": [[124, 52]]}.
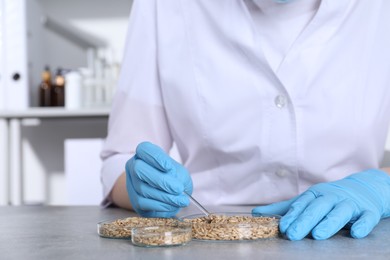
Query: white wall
{"points": [[102, 19]]}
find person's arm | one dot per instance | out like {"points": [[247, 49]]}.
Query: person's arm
{"points": [[386, 169], [137, 112], [119, 194]]}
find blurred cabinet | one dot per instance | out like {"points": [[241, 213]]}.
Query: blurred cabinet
{"points": [[32, 169], [33, 150]]}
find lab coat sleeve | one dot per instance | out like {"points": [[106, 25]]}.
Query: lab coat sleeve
{"points": [[137, 113]]}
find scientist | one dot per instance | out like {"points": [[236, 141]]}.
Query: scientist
{"points": [[285, 103]]}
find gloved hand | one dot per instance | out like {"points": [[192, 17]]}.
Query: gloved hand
{"points": [[360, 199], [155, 182]]}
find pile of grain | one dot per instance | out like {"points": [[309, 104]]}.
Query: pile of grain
{"points": [[121, 228], [221, 227], [212, 227], [162, 235]]}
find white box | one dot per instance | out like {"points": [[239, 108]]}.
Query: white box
{"points": [[82, 171]]}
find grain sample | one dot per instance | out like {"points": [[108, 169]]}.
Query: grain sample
{"points": [[121, 228], [239, 227], [171, 235]]}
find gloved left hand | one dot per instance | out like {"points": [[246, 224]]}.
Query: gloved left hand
{"points": [[360, 199]]}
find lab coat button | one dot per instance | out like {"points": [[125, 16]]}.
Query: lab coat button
{"points": [[281, 172], [280, 101]]}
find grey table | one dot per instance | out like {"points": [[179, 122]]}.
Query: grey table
{"points": [[33, 232]]}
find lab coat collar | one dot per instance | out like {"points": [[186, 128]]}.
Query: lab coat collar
{"points": [[286, 10], [321, 28], [249, 42], [319, 31]]}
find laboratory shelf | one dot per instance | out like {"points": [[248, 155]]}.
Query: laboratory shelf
{"points": [[11, 138], [53, 112]]}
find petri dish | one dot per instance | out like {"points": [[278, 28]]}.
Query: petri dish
{"points": [[175, 234], [121, 228], [233, 226]]}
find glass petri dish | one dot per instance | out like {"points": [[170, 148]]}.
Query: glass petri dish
{"points": [[176, 234], [121, 228], [233, 226]]}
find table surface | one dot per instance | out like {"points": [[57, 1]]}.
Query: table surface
{"points": [[48, 232]]}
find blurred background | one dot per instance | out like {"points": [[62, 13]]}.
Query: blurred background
{"points": [[59, 63]]}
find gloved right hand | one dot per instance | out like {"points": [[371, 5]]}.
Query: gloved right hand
{"points": [[156, 183]]}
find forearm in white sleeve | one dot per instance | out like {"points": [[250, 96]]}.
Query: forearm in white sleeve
{"points": [[138, 112]]}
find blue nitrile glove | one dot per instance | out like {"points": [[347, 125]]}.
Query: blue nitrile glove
{"points": [[155, 182], [360, 199]]}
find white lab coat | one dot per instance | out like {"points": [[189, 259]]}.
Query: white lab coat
{"points": [[196, 73]]}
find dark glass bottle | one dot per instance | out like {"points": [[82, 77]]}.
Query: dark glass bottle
{"points": [[45, 88], [58, 90]]}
